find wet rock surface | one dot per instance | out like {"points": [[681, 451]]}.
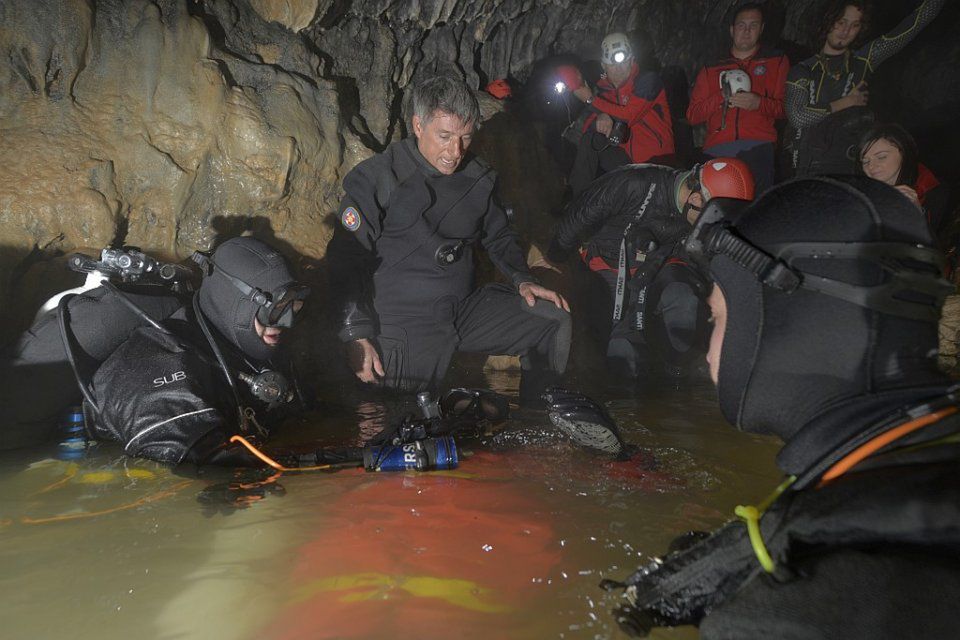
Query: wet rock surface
{"points": [[164, 123]]}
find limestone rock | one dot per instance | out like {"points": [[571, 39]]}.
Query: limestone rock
{"points": [[125, 122], [296, 15]]}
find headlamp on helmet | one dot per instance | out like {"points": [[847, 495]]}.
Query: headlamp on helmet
{"points": [[615, 49]]}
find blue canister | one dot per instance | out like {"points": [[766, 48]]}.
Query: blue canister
{"points": [[73, 435], [421, 455]]}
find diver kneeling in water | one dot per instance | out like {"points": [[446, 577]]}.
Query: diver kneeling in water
{"points": [[826, 301], [176, 392]]}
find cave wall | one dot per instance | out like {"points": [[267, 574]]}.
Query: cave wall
{"points": [[163, 123]]}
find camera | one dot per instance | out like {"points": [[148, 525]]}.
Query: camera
{"points": [[618, 133]]}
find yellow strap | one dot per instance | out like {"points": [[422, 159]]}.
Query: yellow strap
{"points": [[751, 515]]}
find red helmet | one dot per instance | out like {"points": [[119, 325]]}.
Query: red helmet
{"points": [[726, 178], [499, 89], [570, 76]]}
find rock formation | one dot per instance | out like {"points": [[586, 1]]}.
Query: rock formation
{"points": [[162, 123]]}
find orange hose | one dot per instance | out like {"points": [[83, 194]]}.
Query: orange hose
{"points": [[867, 449], [273, 463]]}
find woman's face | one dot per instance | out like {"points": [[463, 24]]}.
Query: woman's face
{"points": [[881, 161]]}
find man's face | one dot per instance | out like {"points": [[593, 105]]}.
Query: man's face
{"points": [[443, 140], [695, 200], [618, 73], [718, 316], [272, 335], [746, 30], [844, 31]]}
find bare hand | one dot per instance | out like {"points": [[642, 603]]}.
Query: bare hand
{"points": [[530, 292], [364, 360], [745, 100], [543, 263], [583, 93], [910, 193], [604, 124], [858, 97]]}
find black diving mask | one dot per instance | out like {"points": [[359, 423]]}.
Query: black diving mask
{"points": [[914, 289], [277, 307]]}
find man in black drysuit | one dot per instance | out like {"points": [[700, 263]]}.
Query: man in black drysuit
{"points": [[177, 392], [825, 308], [630, 222], [826, 96], [402, 265]]}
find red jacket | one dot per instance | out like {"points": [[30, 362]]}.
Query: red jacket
{"points": [[641, 102], [926, 182], [768, 77]]}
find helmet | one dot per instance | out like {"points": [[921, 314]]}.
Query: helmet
{"points": [[615, 49], [570, 76], [499, 89], [735, 81], [726, 178]]}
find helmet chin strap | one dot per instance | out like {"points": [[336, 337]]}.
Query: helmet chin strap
{"points": [[688, 207]]}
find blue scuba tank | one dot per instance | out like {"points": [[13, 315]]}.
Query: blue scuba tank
{"points": [[420, 455]]}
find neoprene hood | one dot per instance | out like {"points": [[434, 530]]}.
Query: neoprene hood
{"points": [[230, 310], [790, 358]]}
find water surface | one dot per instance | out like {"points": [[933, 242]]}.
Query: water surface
{"points": [[511, 545]]}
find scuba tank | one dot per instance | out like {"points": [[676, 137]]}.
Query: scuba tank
{"points": [[73, 443]]}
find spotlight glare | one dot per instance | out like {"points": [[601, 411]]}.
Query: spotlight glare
{"points": [[559, 87], [619, 57]]}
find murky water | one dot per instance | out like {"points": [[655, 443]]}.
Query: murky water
{"points": [[510, 545]]}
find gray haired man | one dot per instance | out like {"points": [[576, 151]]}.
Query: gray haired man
{"points": [[401, 259]]}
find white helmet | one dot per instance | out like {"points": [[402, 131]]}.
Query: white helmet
{"points": [[615, 49], [735, 81]]}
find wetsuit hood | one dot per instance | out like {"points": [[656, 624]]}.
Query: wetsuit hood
{"points": [[795, 360], [230, 310]]}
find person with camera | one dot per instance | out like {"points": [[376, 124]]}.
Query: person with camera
{"points": [[825, 308], [401, 261], [627, 226], [740, 98], [176, 391], [629, 119]]}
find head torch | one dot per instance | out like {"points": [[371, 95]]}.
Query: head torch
{"points": [[913, 288]]}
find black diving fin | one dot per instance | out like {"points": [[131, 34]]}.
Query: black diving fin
{"points": [[585, 421]]}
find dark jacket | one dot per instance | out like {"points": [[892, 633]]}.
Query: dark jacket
{"points": [[397, 212], [818, 139], [158, 398], [165, 397], [601, 214]]}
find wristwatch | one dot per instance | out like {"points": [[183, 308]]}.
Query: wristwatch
{"points": [[588, 100]]}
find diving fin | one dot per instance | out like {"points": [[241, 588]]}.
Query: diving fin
{"points": [[584, 421]]}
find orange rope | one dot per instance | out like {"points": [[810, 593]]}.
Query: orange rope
{"points": [[867, 449], [273, 463], [69, 475], [160, 495]]}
